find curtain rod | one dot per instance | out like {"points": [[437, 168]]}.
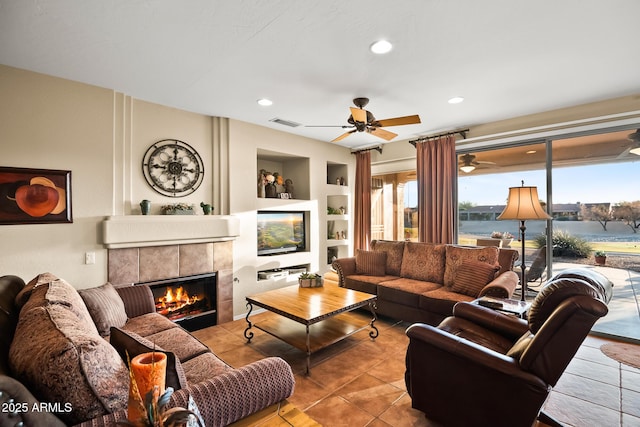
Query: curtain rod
{"points": [[462, 132], [378, 149]]}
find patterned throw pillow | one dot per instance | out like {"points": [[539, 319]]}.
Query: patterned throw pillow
{"points": [[105, 307], [423, 261], [127, 342], [472, 276], [394, 251], [456, 255], [370, 263]]}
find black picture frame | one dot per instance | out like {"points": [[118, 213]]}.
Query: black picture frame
{"points": [[35, 196]]}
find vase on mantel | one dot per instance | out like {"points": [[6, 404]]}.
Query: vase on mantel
{"points": [[145, 207]]}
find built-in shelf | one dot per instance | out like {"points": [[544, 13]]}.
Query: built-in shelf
{"points": [[338, 215], [337, 174], [290, 273], [288, 167]]}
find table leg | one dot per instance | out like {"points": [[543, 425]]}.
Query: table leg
{"points": [[247, 333], [374, 333], [308, 351]]}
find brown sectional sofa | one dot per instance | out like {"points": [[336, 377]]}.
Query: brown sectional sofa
{"points": [[421, 282], [65, 348]]}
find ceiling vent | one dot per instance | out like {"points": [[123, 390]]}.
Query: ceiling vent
{"points": [[285, 122]]}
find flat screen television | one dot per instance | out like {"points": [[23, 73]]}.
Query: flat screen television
{"points": [[280, 232]]}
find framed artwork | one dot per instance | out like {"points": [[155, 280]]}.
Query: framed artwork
{"points": [[34, 196]]}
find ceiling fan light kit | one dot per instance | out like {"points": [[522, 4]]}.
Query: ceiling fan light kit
{"points": [[635, 137], [467, 169]]}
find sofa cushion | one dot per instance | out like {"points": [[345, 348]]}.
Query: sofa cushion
{"points": [[364, 283], [456, 255], [371, 263], [423, 261], [405, 291], [394, 250], [442, 300], [182, 343], [472, 276], [204, 366], [149, 324], [129, 344], [59, 292], [39, 280], [59, 355], [105, 307]]}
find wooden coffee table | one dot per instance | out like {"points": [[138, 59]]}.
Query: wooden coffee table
{"points": [[323, 311]]}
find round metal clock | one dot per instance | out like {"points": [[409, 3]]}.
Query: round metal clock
{"points": [[173, 168]]}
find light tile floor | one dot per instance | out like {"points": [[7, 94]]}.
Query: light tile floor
{"points": [[357, 382]]}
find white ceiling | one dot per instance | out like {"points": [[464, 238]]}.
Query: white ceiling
{"points": [[507, 58]]}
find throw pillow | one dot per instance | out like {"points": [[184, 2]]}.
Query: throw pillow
{"points": [[472, 276], [456, 255], [394, 251], [62, 359], [127, 342], [105, 307], [370, 263], [423, 261]]}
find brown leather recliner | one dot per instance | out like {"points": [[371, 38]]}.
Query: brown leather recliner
{"points": [[480, 367]]}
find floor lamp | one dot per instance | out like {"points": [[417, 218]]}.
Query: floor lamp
{"points": [[523, 204]]}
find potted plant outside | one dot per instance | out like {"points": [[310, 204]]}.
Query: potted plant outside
{"points": [[505, 237], [310, 280], [601, 257]]}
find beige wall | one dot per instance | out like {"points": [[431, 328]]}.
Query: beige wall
{"points": [[101, 136], [51, 123]]}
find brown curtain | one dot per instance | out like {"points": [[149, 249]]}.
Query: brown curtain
{"points": [[436, 170], [362, 217]]}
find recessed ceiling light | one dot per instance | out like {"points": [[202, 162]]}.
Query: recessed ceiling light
{"points": [[380, 47], [265, 102], [531, 152], [456, 100]]}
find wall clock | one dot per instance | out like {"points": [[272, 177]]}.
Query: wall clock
{"points": [[173, 168]]}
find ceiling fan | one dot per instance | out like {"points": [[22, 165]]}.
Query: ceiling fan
{"points": [[363, 121], [468, 163]]}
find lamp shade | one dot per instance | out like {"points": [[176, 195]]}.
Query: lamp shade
{"points": [[523, 204]]}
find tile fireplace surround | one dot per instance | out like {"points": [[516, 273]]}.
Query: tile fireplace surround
{"points": [[156, 247]]}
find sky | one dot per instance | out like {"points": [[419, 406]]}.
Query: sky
{"points": [[613, 183]]}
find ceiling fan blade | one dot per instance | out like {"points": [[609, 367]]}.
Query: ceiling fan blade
{"points": [[329, 126], [359, 115], [397, 121], [344, 135], [381, 133]]}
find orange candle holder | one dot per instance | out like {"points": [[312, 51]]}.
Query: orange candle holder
{"points": [[149, 371]]}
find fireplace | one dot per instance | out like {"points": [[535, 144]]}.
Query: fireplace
{"points": [[189, 301]]}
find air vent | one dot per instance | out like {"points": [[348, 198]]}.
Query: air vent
{"points": [[285, 122]]}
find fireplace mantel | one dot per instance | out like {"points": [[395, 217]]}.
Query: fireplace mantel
{"points": [[129, 231]]}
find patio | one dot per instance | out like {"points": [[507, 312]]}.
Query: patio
{"points": [[623, 319]]}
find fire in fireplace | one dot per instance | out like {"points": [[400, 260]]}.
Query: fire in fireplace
{"points": [[189, 301]]}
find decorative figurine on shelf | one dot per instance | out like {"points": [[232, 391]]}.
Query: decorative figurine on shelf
{"points": [[206, 208], [342, 181], [270, 189], [262, 182], [288, 187]]}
